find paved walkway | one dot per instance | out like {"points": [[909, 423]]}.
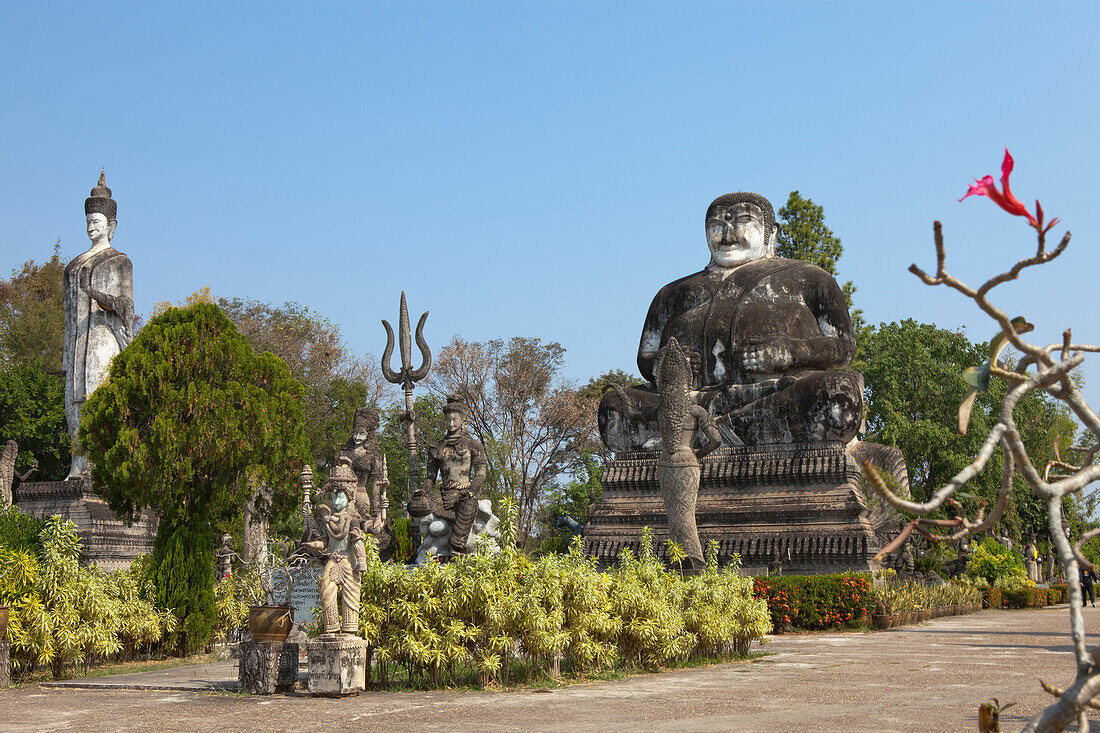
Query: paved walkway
{"points": [[929, 677]]}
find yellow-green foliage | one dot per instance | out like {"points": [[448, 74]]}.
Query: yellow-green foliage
{"points": [[62, 612], [914, 595], [495, 612], [232, 598]]}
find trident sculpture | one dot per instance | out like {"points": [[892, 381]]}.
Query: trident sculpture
{"points": [[407, 377]]}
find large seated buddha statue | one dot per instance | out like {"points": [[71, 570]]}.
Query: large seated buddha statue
{"points": [[768, 339]]}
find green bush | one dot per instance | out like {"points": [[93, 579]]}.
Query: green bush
{"points": [[1024, 597], [992, 597], [816, 601], [62, 612], [19, 531], [493, 614], [1058, 593], [928, 564], [993, 561]]}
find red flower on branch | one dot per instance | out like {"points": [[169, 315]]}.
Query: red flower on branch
{"points": [[1005, 199]]}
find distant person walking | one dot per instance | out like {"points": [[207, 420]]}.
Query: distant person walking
{"points": [[1087, 578]]}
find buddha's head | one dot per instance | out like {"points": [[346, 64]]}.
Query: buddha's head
{"points": [[740, 228], [99, 210]]}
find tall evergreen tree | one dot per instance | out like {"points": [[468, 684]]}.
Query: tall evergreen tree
{"points": [[190, 414]]}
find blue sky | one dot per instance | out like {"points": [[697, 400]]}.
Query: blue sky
{"points": [[541, 169]]}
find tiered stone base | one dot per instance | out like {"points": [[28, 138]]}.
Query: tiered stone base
{"points": [[267, 667], [800, 505], [107, 540], [337, 665]]}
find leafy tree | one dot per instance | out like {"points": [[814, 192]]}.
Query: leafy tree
{"points": [[32, 413], [336, 381], [914, 385], [572, 499], [804, 236], [32, 322], [190, 414], [528, 419], [598, 385]]}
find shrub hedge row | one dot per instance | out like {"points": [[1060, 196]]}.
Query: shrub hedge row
{"points": [[1024, 596]]}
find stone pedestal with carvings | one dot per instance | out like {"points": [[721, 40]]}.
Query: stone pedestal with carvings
{"points": [[337, 665], [267, 667], [805, 506]]}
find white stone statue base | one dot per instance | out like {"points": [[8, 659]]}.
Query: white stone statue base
{"points": [[337, 665], [435, 533]]}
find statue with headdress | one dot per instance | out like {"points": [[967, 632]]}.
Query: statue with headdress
{"points": [[334, 532], [457, 465], [98, 298]]}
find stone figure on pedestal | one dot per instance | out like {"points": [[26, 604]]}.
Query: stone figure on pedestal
{"points": [[98, 297], [767, 338], [335, 533], [679, 419], [459, 463]]}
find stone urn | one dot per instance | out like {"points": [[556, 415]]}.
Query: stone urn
{"points": [[3, 622], [270, 623]]}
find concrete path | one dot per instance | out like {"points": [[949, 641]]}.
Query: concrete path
{"points": [[929, 677]]}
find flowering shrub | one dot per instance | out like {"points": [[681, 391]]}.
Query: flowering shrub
{"points": [[816, 601]]}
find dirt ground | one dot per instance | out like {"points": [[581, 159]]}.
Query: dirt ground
{"points": [[928, 677]]}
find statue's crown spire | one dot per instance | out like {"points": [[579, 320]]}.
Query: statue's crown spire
{"points": [[100, 202]]}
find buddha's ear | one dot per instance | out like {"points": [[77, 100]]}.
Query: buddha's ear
{"points": [[771, 240], [111, 229]]}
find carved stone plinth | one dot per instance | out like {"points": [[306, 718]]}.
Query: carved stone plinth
{"points": [[267, 667], [802, 505], [337, 665], [5, 663], [107, 540]]}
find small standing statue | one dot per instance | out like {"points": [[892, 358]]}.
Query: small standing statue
{"points": [[1031, 555], [369, 465], [225, 558], [679, 418], [459, 461], [335, 533]]}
